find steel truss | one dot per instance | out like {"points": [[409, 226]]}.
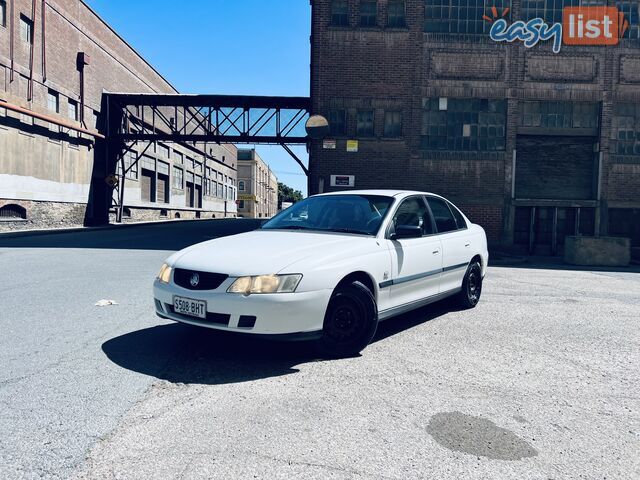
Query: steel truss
{"points": [[192, 119]]}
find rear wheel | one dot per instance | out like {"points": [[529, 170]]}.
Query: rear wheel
{"points": [[350, 322], [469, 296]]}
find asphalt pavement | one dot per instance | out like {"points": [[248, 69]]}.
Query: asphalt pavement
{"points": [[540, 381]]}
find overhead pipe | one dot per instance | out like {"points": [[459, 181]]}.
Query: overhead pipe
{"points": [[50, 119]]}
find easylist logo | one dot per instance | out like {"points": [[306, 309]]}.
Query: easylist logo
{"points": [[580, 26]]}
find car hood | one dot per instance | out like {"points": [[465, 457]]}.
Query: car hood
{"points": [[264, 252]]}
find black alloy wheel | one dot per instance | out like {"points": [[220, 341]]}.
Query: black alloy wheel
{"points": [[471, 291], [350, 322]]}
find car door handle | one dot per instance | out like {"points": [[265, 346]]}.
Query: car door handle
{"points": [[467, 245], [436, 252]]}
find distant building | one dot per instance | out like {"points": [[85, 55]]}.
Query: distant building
{"points": [[56, 61], [257, 186]]}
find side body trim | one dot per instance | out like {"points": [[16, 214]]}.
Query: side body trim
{"points": [[392, 312]]}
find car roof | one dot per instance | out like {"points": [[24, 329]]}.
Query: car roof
{"points": [[380, 192]]}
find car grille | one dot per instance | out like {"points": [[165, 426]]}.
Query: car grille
{"points": [[207, 281], [216, 318]]}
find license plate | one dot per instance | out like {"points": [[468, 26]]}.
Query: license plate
{"points": [[190, 307]]}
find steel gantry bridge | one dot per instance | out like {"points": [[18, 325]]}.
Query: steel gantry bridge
{"points": [[193, 121]]}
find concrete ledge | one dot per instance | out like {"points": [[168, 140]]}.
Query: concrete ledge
{"points": [[598, 251]]}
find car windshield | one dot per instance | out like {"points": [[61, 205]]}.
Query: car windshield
{"points": [[358, 214]]}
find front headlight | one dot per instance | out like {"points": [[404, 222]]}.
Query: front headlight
{"points": [[165, 273], [265, 284]]}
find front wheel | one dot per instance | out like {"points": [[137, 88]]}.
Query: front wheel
{"points": [[469, 296], [350, 322]]}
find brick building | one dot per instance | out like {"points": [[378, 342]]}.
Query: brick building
{"points": [[57, 58], [533, 145], [257, 186]]}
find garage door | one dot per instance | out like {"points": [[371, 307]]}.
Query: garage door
{"points": [[162, 190], [146, 184], [555, 167]]}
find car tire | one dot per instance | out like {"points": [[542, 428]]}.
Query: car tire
{"points": [[471, 291], [350, 322]]}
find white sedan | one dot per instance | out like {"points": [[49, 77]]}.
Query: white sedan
{"points": [[329, 268]]}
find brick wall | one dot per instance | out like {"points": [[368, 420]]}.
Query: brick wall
{"points": [[395, 69]]}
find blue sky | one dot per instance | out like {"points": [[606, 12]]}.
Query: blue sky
{"points": [[244, 47]]}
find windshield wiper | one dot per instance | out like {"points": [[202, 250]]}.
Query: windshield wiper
{"points": [[348, 230]]}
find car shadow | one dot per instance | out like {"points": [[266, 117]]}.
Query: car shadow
{"points": [[181, 353]]}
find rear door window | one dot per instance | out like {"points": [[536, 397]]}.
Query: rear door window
{"points": [[445, 222]]}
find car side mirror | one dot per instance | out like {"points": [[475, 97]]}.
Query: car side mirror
{"points": [[407, 231]]}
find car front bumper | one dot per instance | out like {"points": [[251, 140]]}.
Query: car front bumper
{"points": [[280, 314]]}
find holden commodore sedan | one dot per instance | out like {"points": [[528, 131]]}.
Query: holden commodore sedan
{"points": [[329, 268]]}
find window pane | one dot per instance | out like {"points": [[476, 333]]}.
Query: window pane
{"points": [[413, 212], [442, 215], [368, 13], [53, 101], [337, 122], [364, 127], [340, 13], [393, 124], [3, 13], [396, 14]]}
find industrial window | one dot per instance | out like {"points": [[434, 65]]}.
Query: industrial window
{"points": [[364, 125], [3, 13], [26, 29], [178, 157], [340, 13], [462, 16], [392, 124], [190, 163], [162, 150], [178, 178], [53, 101], [368, 13], [220, 191], [631, 11], [560, 114], [551, 10], [626, 127], [73, 110], [241, 185], [396, 14], [464, 124], [337, 122], [131, 166]]}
